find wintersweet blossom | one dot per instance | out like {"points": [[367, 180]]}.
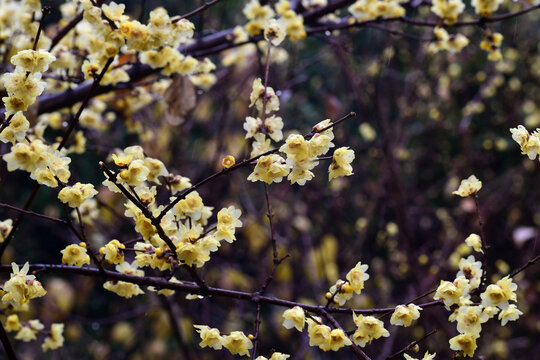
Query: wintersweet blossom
{"points": [[21, 288], [465, 343], [368, 328], [319, 335], [294, 317], [75, 255], [511, 313], [209, 337], [237, 343], [427, 356], [404, 315], [55, 339], [341, 163], [475, 242], [468, 187], [356, 277]]}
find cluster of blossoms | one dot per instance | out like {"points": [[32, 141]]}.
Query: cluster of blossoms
{"points": [[368, 328], [262, 18], [448, 10], [456, 295], [492, 44], [444, 42], [16, 295], [342, 291], [365, 10], [236, 342], [529, 143], [302, 152], [23, 86], [184, 224]]}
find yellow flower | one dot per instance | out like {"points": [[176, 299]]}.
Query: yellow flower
{"points": [[33, 60], [5, 228], [123, 288], [75, 255], [29, 331], [76, 194], [228, 161], [356, 277], [192, 206], [499, 294], [404, 315], [113, 252], [341, 163], [319, 335], [294, 317], [237, 343], [511, 313], [468, 187], [427, 356], [470, 319], [209, 337], [338, 339], [475, 242], [451, 292], [343, 291], [21, 288], [12, 323], [270, 168], [368, 328], [55, 338], [274, 32], [228, 220], [465, 343]]}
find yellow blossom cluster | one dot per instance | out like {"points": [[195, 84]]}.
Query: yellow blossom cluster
{"points": [[492, 44], [236, 342], [326, 338], [23, 86], [45, 164], [75, 195], [469, 316], [368, 329], [261, 19], [445, 42], [21, 287], [364, 10], [448, 10], [342, 291], [529, 143], [113, 252]]}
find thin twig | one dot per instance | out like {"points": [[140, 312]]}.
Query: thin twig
{"points": [[196, 11], [411, 345], [27, 212]]}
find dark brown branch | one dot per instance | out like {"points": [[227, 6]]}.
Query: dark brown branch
{"points": [[194, 288], [65, 30], [8, 348], [355, 348]]}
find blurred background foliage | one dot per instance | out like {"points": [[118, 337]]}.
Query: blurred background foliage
{"points": [[423, 123]]}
